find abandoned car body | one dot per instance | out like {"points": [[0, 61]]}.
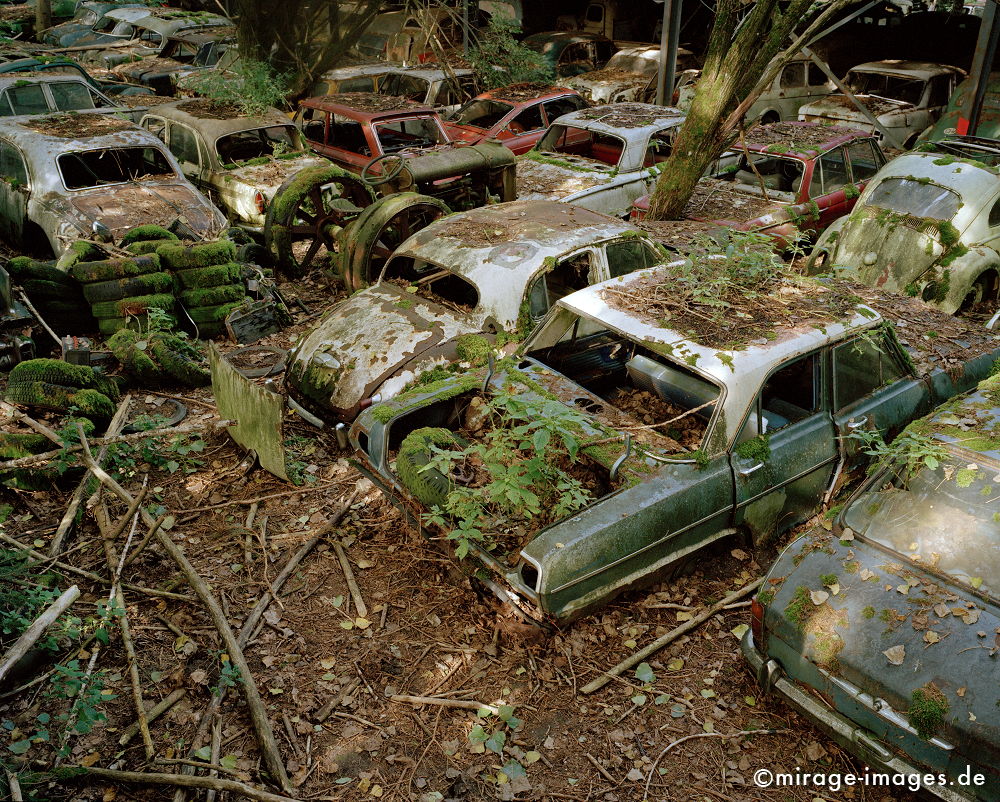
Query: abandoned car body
{"points": [[794, 179], [770, 438], [88, 17], [66, 177], [458, 276], [926, 225], [32, 93], [184, 56], [517, 115], [602, 158], [881, 654], [904, 96], [568, 53], [630, 75]]}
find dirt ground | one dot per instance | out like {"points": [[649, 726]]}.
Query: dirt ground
{"points": [[327, 669]]}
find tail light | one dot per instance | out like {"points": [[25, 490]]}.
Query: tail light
{"points": [[757, 611], [260, 202]]}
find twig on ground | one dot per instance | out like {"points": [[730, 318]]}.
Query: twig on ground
{"points": [[600, 769], [326, 710], [184, 781], [150, 532], [234, 502], [359, 602], [215, 752], [31, 635], [14, 785], [659, 643], [439, 702], [158, 710], [41, 428], [212, 765]]}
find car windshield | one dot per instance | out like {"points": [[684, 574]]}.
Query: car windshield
{"points": [[944, 516], [97, 168], [411, 132], [86, 16], [408, 86], [582, 142], [634, 62], [773, 177], [894, 87], [433, 282], [257, 142], [482, 113], [638, 382], [910, 196]]}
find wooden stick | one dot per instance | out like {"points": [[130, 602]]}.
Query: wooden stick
{"points": [[14, 785], [38, 316], [439, 702], [671, 636], [214, 755], [184, 781], [114, 428], [41, 428], [258, 713], [158, 710], [213, 766], [31, 635], [601, 770], [359, 602], [326, 710], [240, 501], [166, 594], [145, 540]]}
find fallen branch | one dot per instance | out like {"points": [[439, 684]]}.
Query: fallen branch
{"points": [[166, 594], [600, 769], [461, 704], [14, 785], [114, 428], [328, 709], [31, 635], [679, 741], [41, 428], [659, 643], [145, 540], [184, 781], [258, 714], [236, 502], [359, 602], [158, 710]]}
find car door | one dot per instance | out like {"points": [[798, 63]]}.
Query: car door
{"points": [[786, 451], [14, 191], [557, 107], [524, 129], [865, 158], [872, 389], [183, 143]]}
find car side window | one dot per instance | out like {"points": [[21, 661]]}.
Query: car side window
{"points": [[562, 105], [794, 75], [862, 366], [832, 173], [940, 91], [569, 275], [156, 126], [995, 214], [816, 76], [627, 255], [347, 135], [658, 148], [791, 394], [184, 144], [72, 96], [529, 119], [12, 166], [28, 99], [313, 124], [864, 163]]}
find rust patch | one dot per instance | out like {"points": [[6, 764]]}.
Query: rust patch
{"points": [[795, 137], [518, 93]]}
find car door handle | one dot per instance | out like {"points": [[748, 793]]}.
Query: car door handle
{"points": [[857, 423], [750, 470]]}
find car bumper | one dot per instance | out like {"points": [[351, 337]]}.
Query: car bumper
{"points": [[856, 740]]}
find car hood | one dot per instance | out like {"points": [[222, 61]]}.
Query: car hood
{"points": [[887, 250], [599, 86], [272, 174], [550, 180], [889, 628], [124, 206], [840, 107], [378, 334], [465, 133]]}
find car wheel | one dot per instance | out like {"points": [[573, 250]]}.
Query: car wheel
{"points": [[984, 290], [429, 486], [213, 296], [168, 351], [110, 269], [115, 290], [136, 305], [769, 117], [368, 242]]}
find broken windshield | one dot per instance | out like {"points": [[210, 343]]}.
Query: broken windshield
{"points": [[941, 517], [774, 177], [574, 141], [257, 142], [409, 132], [482, 113], [893, 87], [96, 168], [910, 196]]}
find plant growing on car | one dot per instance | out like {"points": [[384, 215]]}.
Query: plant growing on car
{"points": [[913, 449], [252, 86], [524, 456], [498, 59]]}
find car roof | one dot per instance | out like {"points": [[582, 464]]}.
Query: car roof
{"points": [[615, 117], [971, 422], [529, 232], [42, 76], [922, 69], [128, 13], [202, 113], [54, 134], [964, 175], [725, 367], [358, 70], [208, 33], [525, 92], [430, 72], [367, 105], [803, 139]]}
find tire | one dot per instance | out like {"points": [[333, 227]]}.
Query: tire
{"points": [[23, 268], [180, 412], [179, 365], [109, 269], [212, 314], [136, 305], [983, 290], [94, 405], [430, 487], [207, 331], [213, 296], [237, 235], [769, 117], [186, 257], [42, 290], [136, 361], [40, 394], [253, 253], [111, 325], [147, 233], [80, 251], [144, 247], [53, 371], [214, 276], [117, 289]]}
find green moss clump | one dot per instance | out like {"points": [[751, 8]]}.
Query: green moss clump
{"points": [[757, 449], [799, 608], [53, 371], [887, 616], [473, 348], [145, 233], [828, 579], [538, 156], [442, 390], [965, 476], [110, 269], [146, 246], [213, 314], [213, 296], [133, 306], [765, 597], [928, 708], [826, 647], [124, 344], [214, 276], [851, 191], [948, 233], [206, 254], [868, 612]]}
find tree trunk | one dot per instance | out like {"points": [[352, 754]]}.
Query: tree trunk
{"points": [[43, 15]]}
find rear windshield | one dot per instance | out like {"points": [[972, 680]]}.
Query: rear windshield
{"points": [[257, 142], [894, 87], [945, 517], [581, 142], [433, 282], [482, 113], [97, 168], [909, 196]]}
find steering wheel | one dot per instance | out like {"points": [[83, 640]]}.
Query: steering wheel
{"points": [[390, 173]]}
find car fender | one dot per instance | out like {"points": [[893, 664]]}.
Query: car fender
{"points": [[961, 274], [826, 246]]}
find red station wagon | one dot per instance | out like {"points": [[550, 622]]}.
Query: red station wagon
{"points": [[517, 115]]}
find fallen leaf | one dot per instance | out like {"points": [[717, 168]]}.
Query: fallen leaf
{"points": [[865, 574], [960, 692], [819, 596], [635, 776], [834, 588], [90, 759], [930, 636], [739, 631], [896, 654], [362, 623], [941, 610], [328, 663], [675, 665], [683, 616]]}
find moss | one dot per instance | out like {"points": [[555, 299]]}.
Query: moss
{"points": [[887, 616], [146, 233], [765, 597], [214, 276], [110, 269], [147, 246], [799, 608], [213, 296], [948, 233], [473, 348], [928, 708], [54, 371], [826, 647], [828, 579], [181, 257], [538, 156], [412, 399], [966, 476], [133, 306], [851, 191], [868, 612], [912, 290], [956, 252], [124, 344], [213, 314], [757, 449]]}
